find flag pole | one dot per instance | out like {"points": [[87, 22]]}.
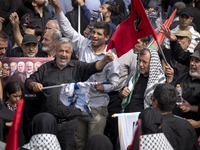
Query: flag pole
{"points": [[79, 19], [164, 58]]}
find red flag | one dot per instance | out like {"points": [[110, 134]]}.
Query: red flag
{"points": [[136, 26], [135, 145], [161, 36], [12, 139]]}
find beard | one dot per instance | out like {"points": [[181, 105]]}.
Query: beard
{"points": [[41, 4], [46, 48], [194, 74]]}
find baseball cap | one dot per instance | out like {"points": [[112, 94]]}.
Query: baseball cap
{"points": [[186, 11], [29, 38], [196, 54], [184, 33]]}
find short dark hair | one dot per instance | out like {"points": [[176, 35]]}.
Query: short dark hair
{"points": [[3, 36], [144, 51], [103, 25], [145, 39], [38, 29], [113, 8], [166, 96]]}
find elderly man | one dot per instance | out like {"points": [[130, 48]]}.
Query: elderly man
{"points": [[21, 66], [190, 83], [150, 74], [63, 70], [185, 18], [91, 51], [50, 38], [29, 47]]}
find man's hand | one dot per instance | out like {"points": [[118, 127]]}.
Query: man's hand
{"points": [[108, 57], [99, 87], [169, 72], [80, 2], [166, 31], [14, 19], [86, 32], [102, 63], [8, 124], [194, 123], [56, 5], [125, 92], [35, 86], [2, 19], [185, 106]]}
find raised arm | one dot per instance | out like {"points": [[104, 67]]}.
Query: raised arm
{"points": [[14, 20], [179, 54], [86, 12], [66, 28]]}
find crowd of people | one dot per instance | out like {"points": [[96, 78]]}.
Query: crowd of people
{"points": [[139, 81]]}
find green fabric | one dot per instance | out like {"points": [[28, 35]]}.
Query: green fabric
{"points": [[127, 99], [152, 46]]}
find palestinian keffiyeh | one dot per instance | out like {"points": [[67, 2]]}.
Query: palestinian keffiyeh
{"points": [[156, 76], [43, 142], [156, 141]]}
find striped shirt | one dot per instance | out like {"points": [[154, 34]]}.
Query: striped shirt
{"points": [[193, 44]]}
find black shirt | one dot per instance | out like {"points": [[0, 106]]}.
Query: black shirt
{"points": [[137, 99], [18, 52], [179, 133], [33, 17], [50, 74], [190, 93]]}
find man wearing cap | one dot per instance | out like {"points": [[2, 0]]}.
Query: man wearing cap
{"points": [[29, 47], [185, 19], [182, 42], [190, 83]]}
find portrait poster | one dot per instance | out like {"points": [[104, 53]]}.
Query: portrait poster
{"points": [[20, 68]]}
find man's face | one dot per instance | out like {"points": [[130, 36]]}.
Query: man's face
{"points": [[144, 63], [30, 49], [47, 43], [63, 54], [194, 67], [50, 25], [184, 21], [13, 66], [183, 41], [3, 48], [5, 66], [37, 65], [29, 67], [21, 67], [98, 38], [40, 3], [104, 11], [139, 46]]}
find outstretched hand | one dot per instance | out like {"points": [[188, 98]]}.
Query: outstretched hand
{"points": [[166, 31]]}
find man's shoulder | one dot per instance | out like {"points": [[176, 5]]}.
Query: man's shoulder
{"points": [[16, 52]]}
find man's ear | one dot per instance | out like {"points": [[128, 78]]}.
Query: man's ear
{"points": [[107, 37], [34, 4], [108, 13]]}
